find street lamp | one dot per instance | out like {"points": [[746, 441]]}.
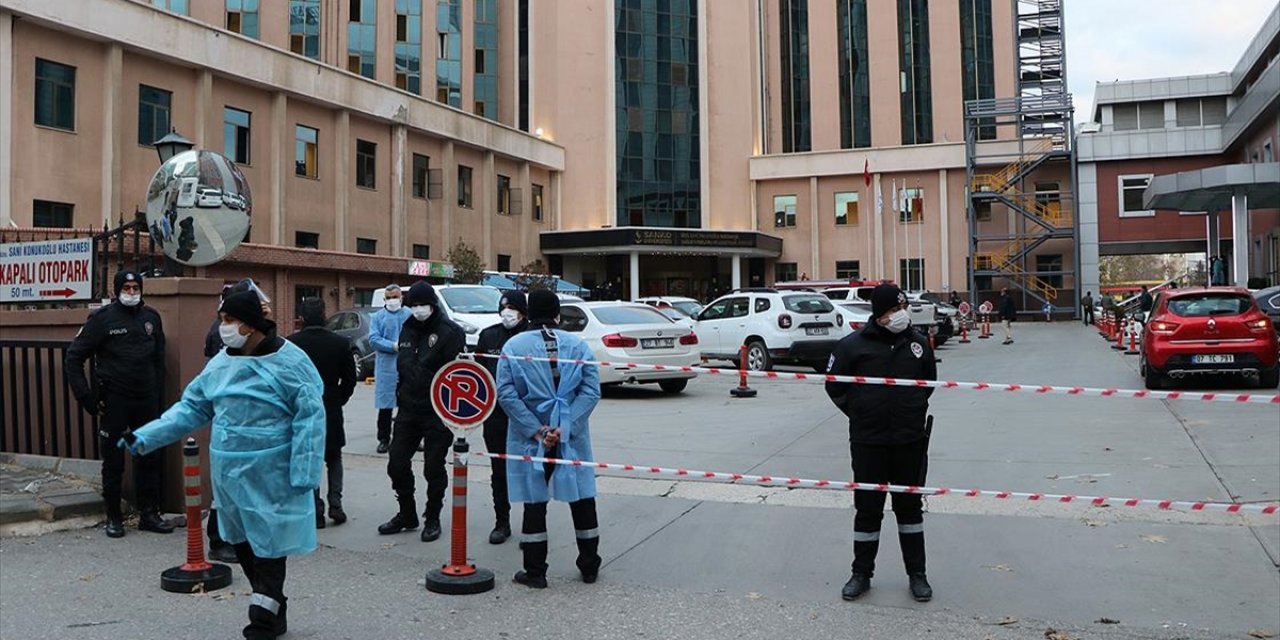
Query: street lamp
{"points": [[171, 145]]}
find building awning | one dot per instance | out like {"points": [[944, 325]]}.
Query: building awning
{"points": [[659, 240], [498, 281], [1211, 189]]}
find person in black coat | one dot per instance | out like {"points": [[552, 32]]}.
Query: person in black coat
{"points": [[331, 354], [126, 340], [513, 308], [1007, 315], [888, 434], [428, 341]]}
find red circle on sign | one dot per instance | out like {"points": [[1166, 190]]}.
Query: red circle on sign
{"points": [[985, 307], [463, 394], [965, 308]]}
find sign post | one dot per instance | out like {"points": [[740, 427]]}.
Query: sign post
{"points": [[463, 394], [46, 271]]}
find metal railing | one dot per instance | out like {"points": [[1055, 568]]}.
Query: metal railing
{"points": [[38, 413]]}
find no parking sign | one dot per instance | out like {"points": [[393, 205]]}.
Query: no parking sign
{"points": [[985, 308], [463, 394], [965, 308]]}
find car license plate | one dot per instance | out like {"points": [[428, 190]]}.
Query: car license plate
{"points": [[815, 331], [1213, 359], [657, 343]]}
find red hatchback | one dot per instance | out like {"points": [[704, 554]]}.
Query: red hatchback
{"points": [[1208, 331]]}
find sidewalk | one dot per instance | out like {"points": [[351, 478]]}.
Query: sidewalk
{"points": [[40, 494]]}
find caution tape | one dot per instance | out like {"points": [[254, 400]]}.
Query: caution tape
{"points": [[1042, 389], [780, 481]]}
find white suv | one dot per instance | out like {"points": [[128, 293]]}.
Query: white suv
{"points": [[924, 314], [473, 306], [792, 327]]}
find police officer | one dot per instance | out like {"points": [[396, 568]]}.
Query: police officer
{"points": [[888, 439], [331, 354], [513, 309], [428, 341], [127, 339]]}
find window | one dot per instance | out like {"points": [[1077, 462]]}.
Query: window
{"points": [[51, 214], [306, 240], [504, 263], [421, 165], [794, 45], [1139, 115], [846, 208], [785, 272], [1131, 188], [855, 89], [911, 273], [1151, 115], [409, 46], [762, 305], [572, 319], [304, 151], [421, 252], [362, 37], [366, 245], [55, 95], [1189, 112], [1049, 199], [235, 135], [916, 93], [982, 210], [537, 202], [366, 164], [1267, 154], [1213, 110], [153, 114], [464, 186], [504, 196], [977, 60], [449, 52], [304, 291], [1049, 263], [176, 6], [522, 64], [304, 28], [911, 206], [485, 85], [242, 17], [784, 211], [738, 307], [848, 269]]}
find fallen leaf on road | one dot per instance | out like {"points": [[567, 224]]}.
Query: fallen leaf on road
{"points": [[221, 597], [1107, 621], [1054, 634], [387, 545], [1007, 620], [1154, 539], [754, 596], [1000, 567], [89, 577], [1261, 633]]}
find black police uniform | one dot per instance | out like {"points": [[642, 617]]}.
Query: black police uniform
{"points": [[128, 346], [887, 438], [491, 341], [331, 354]]}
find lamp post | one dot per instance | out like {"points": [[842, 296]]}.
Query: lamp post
{"points": [[171, 145]]}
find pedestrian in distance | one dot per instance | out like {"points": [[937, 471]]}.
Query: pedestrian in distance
{"points": [[1145, 301], [384, 337], [1047, 309], [513, 309], [888, 433], [126, 341], [1007, 315], [549, 405], [331, 355], [428, 341], [265, 401], [1086, 308]]}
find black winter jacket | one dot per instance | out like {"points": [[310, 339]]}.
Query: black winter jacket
{"points": [[128, 344], [331, 355], [424, 348], [881, 414], [491, 341]]}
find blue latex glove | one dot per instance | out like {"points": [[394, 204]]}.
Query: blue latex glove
{"points": [[131, 442]]}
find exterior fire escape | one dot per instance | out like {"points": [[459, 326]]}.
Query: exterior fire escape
{"points": [[1001, 171]]}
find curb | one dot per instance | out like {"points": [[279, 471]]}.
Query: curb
{"points": [[87, 470]]}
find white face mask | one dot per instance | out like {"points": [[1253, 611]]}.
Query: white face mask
{"points": [[421, 312], [510, 318], [130, 299], [898, 321], [393, 304], [231, 335]]}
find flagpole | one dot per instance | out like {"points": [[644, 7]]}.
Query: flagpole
{"points": [[895, 268], [920, 238]]}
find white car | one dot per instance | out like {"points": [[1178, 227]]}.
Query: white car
{"points": [[856, 314], [628, 332], [473, 306], [687, 306], [678, 317], [775, 326]]}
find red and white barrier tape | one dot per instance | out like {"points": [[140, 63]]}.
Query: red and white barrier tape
{"points": [[775, 481], [1043, 389]]}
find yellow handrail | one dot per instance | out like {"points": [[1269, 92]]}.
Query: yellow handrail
{"points": [[1002, 179]]}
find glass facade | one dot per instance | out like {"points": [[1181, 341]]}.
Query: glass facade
{"points": [[794, 31], [522, 64], [657, 125], [449, 52], [409, 45], [486, 54], [362, 38], [913, 64], [176, 6], [977, 59], [304, 28], [855, 88]]}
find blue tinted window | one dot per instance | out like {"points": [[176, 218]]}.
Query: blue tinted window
{"points": [[304, 28], [916, 99], [855, 92], [362, 39], [794, 26], [449, 52]]}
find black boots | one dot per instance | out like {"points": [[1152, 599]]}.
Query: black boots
{"points": [[430, 528], [383, 445], [534, 575], [151, 521], [223, 553], [337, 515], [400, 522], [920, 589], [114, 528], [858, 584], [501, 532], [589, 560]]}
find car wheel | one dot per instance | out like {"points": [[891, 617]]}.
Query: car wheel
{"points": [[673, 386], [1153, 378], [355, 356], [1269, 378], [758, 357]]}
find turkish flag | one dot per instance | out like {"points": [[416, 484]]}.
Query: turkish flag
{"points": [[866, 171]]}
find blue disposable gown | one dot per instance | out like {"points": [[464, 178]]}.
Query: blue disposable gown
{"points": [[266, 450], [526, 394], [384, 334]]}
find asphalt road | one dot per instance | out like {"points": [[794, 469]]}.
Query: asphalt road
{"points": [[695, 560]]}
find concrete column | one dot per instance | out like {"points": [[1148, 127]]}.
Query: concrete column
{"points": [[556, 192], [6, 119], [399, 154], [1240, 239], [279, 127], [736, 278], [755, 205], [525, 183], [815, 235], [342, 182], [111, 107], [1214, 236], [1089, 269], [204, 103], [449, 175], [944, 231], [488, 202], [635, 275]]}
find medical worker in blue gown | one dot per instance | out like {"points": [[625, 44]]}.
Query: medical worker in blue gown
{"points": [[266, 450], [384, 337], [547, 406]]}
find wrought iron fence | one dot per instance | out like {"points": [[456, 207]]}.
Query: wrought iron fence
{"points": [[38, 413]]}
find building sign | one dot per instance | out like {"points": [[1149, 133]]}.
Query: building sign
{"points": [[691, 240], [48, 271], [680, 238], [429, 269]]}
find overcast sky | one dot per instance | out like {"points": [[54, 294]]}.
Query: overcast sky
{"points": [[1111, 40]]}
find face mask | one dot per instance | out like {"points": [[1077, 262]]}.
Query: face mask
{"points": [[130, 299], [421, 312], [231, 335], [898, 321], [393, 304], [510, 318]]}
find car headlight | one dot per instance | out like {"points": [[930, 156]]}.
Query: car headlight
{"points": [[467, 327]]}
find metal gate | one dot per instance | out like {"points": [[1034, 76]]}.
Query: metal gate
{"points": [[38, 413]]}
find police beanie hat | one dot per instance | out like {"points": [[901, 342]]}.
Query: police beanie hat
{"points": [[421, 293], [516, 300], [247, 308], [544, 306], [885, 297], [311, 311], [127, 276]]}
